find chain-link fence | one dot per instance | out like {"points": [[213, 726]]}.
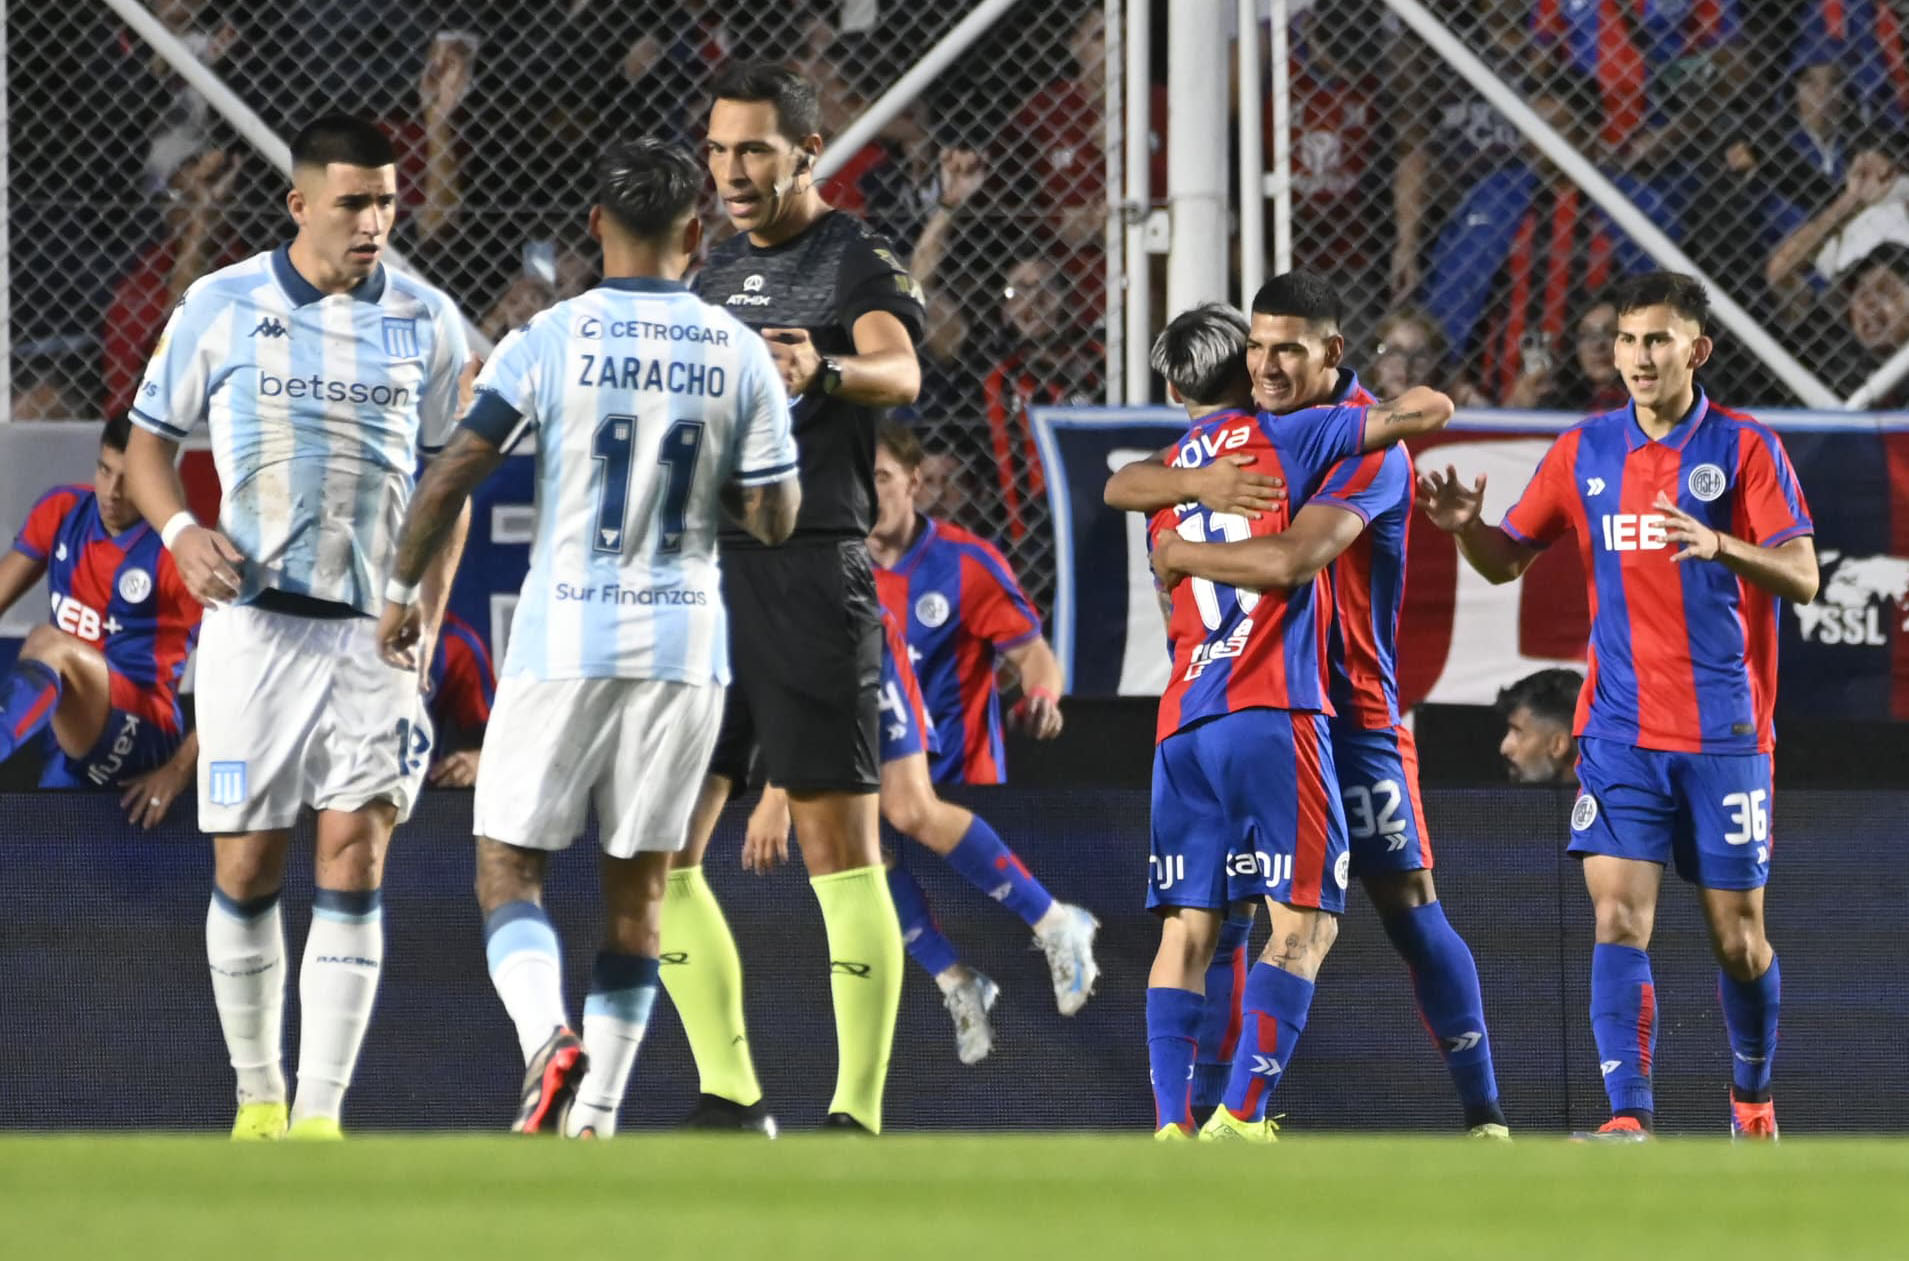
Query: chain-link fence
{"points": [[125, 185], [1764, 137]]}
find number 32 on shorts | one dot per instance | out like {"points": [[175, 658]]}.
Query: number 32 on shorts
{"points": [[1374, 812]]}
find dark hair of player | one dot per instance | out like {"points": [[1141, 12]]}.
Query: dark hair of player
{"points": [[798, 114], [1303, 294], [1549, 694], [341, 138], [649, 187], [900, 441], [1683, 294], [118, 431], [1202, 354]]}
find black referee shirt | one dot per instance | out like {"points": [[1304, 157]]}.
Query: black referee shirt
{"points": [[823, 280]]}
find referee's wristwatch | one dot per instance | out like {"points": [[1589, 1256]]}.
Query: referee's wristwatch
{"points": [[828, 378]]}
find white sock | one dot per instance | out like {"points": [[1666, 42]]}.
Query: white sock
{"points": [[337, 984], [615, 1016], [526, 966], [1052, 918], [951, 979], [245, 949]]}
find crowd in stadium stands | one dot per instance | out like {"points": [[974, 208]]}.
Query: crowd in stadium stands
{"points": [[1767, 138]]}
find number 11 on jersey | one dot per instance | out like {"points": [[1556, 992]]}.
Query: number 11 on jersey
{"points": [[678, 452]]}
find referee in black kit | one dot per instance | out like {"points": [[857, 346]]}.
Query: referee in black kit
{"points": [[841, 316]]}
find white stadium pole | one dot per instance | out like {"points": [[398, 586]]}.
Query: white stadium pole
{"points": [[1881, 381], [849, 141], [6, 242], [1196, 168], [242, 117], [1282, 138], [1137, 132], [1628, 218], [1252, 179]]}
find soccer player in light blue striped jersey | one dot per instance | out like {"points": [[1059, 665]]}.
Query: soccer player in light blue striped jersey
{"points": [[320, 376], [653, 413]]}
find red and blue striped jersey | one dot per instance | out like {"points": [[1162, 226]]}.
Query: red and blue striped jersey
{"points": [[463, 683], [959, 607], [120, 593], [1620, 43], [1682, 656], [1368, 578], [1236, 649]]}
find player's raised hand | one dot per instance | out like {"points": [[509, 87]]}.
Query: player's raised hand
{"points": [[1226, 485], [1699, 540], [796, 358], [1448, 502], [765, 842], [209, 563], [399, 630]]}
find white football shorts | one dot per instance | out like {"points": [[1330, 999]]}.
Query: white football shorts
{"points": [[302, 711], [635, 748]]}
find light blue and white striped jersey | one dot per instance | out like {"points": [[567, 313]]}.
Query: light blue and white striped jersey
{"points": [[318, 406], [646, 403]]}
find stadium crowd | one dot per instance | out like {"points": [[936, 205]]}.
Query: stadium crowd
{"points": [[1765, 138]]}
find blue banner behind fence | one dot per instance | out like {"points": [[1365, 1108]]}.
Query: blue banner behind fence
{"points": [[107, 1014]]}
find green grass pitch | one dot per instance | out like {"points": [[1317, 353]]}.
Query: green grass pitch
{"points": [[972, 1197]]}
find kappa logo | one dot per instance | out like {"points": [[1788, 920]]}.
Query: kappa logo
{"points": [[1584, 814], [1706, 482], [1464, 1041], [1593, 485], [269, 326]]}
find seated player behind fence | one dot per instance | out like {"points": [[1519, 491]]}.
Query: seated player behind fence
{"points": [[1295, 355], [1674, 723], [911, 806], [1538, 747], [1246, 803], [614, 677], [97, 687], [964, 616], [463, 688]]}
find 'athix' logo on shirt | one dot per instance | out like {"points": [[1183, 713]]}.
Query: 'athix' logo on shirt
{"points": [[751, 295]]}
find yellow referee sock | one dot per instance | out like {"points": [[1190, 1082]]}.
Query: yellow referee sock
{"points": [[865, 966], [703, 975]]}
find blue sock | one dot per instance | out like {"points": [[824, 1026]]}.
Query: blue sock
{"points": [[919, 932], [1445, 981], [1220, 1019], [985, 862], [1749, 1013], [1624, 1022], [1276, 1005], [1173, 1023], [29, 694]]}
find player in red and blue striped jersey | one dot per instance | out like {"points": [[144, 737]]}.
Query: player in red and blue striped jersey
{"points": [[99, 684], [1245, 800], [463, 688], [1376, 763], [962, 612], [1692, 529]]}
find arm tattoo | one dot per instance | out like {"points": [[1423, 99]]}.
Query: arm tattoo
{"points": [[1394, 416], [448, 482]]}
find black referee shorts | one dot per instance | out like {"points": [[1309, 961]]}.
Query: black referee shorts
{"points": [[805, 652]]}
